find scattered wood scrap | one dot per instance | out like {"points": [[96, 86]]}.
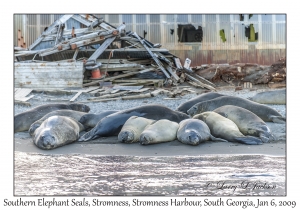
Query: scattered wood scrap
{"points": [[21, 93]]}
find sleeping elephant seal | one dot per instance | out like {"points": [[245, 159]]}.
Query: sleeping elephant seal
{"points": [[57, 131], [194, 132], [203, 97], [224, 128], [90, 120], [23, 121], [64, 112], [158, 132], [133, 128], [112, 124], [265, 112], [270, 97], [247, 122]]}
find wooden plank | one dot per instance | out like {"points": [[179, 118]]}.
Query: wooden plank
{"points": [[48, 75], [22, 92], [133, 83], [90, 89], [139, 80], [178, 63], [24, 98], [139, 91], [200, 83], [74, 98], [108, 96], [119, 87], [22, 103], [96, 91], [115, 77]]}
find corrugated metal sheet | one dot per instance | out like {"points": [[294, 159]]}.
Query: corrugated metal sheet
{"points": [[36, 75], [19, 25], [270, 46]]}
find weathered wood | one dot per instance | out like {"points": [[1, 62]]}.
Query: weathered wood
{"points": [[153, 56], [48, 75], [198, 77], [135, 83], [114, 91], [24, 98], [22, 92], [90, 89], [147, 95], [114, 61], [169, 67], [195, 84], [22, 103], [276, 85], [120, 67], [108, 96], [178, 63], [159, 91], [76, 96], [139, 80], [119, 87], [139, 91], [200, 83], [115, 77]]}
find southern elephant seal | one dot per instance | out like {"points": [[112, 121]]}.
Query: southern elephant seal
{"points": [[112, 124], [90, 120], [133, 128], [57, 131], [265, 112], [64, 112], [159, 131], [247, 122], [194, 132], [224, 128], [24, 120], [270, 97], [184, 107]]}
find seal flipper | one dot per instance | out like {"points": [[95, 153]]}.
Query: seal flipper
{"points": [[33, 127], [248, 140], [266, 138], [87, 136], [217, 139], [278, 119]]}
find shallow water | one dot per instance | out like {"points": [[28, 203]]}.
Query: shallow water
{"points": [[93, 175]]}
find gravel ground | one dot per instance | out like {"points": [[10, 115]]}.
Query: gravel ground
{"points": [[97, 107]]}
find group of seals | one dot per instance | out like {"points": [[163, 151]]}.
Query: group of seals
{"points": [[23, 121], [247, 122], [132, 129], [112, 124], [266, 113], [216, 117], [225, 128]]}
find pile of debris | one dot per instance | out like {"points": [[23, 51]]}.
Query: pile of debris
{"points": [[241, 73], [109, 54], [112, 54]]}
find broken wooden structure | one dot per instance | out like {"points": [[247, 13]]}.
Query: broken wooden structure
{"points": [[106, 53]]}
